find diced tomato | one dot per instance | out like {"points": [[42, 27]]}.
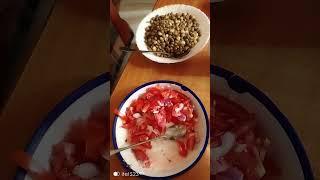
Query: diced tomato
{"points": [[143, 137], [153, 135], [145, 107], [149, 95], [139, 105], [129, 125], [158, 107], [123, 118], [140, 154], [182, 148], [154, 90], [161, 118], [229, 116], [191, 141], [147, 145], [143, 126]]}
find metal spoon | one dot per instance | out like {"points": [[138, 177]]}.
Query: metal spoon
{"points": [[172, 133], [142, 51]]}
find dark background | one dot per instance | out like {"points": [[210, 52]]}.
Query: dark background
{"points": [[21, 24]]}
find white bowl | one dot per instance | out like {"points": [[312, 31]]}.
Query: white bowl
{"points": [[54, 127], [286, 148], [160, 166], [201, 18]]}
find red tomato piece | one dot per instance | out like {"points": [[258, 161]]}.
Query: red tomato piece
{"points": [[161, 119], [139, 105], [182, 148], [147, 145], [140, 154], [191, 141], [117, 112], [153, 135], [154, 90], [129, 125]]}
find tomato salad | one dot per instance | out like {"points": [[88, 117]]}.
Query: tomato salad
{"points": [[238, 150], [78, 156], [155, 110]]}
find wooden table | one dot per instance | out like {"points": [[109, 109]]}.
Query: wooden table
{"points": [[193, 73], [71, 50]]}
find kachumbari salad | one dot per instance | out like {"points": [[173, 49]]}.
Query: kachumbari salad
{"points": [[78, 156], [157, 109], [238, 150]]}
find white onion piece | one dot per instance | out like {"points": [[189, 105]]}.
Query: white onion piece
{"points": [[86, 170], [136, 115], [227, 142], [262, 154], [219, 166], [260, 170]]}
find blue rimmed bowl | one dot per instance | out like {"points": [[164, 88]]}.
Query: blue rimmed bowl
{"points": [[286, 149], [75, 107], [162, 150]]}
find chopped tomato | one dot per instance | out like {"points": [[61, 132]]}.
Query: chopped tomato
{"points": [[123, 118], [84, 142], [231, 117], [139, 105], [191, 141], [182, 148], [148, 117], [140, 154]]}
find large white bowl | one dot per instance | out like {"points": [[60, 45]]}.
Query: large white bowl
{"points": [[287, 150], [74, 107], [160, 166], [201, 18]]}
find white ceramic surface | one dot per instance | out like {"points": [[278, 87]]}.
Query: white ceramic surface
{"points": [[282, 149], [201, 18], [162, 150], [80, 109]]}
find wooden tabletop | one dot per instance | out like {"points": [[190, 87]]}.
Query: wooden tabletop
{"points": [[71, 51], [193, 73]]}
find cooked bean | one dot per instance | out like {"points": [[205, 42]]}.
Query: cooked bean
{"points": [[174, 33]]}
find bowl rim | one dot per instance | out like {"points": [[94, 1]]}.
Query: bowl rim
{"points": [[240, 85], [52, 116], [184, 88], [178, 60]]}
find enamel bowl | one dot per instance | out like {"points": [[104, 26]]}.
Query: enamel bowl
{"points": [[286, 148], [53, 128], [201, 18], [161, 150]]}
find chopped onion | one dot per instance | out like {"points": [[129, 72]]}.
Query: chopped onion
{"points": [[136, 115], [227, 142], [219, 166], [86, 170]]}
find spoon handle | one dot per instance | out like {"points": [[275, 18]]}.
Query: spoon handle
{"points": [[115, 151], [142, 51]]}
